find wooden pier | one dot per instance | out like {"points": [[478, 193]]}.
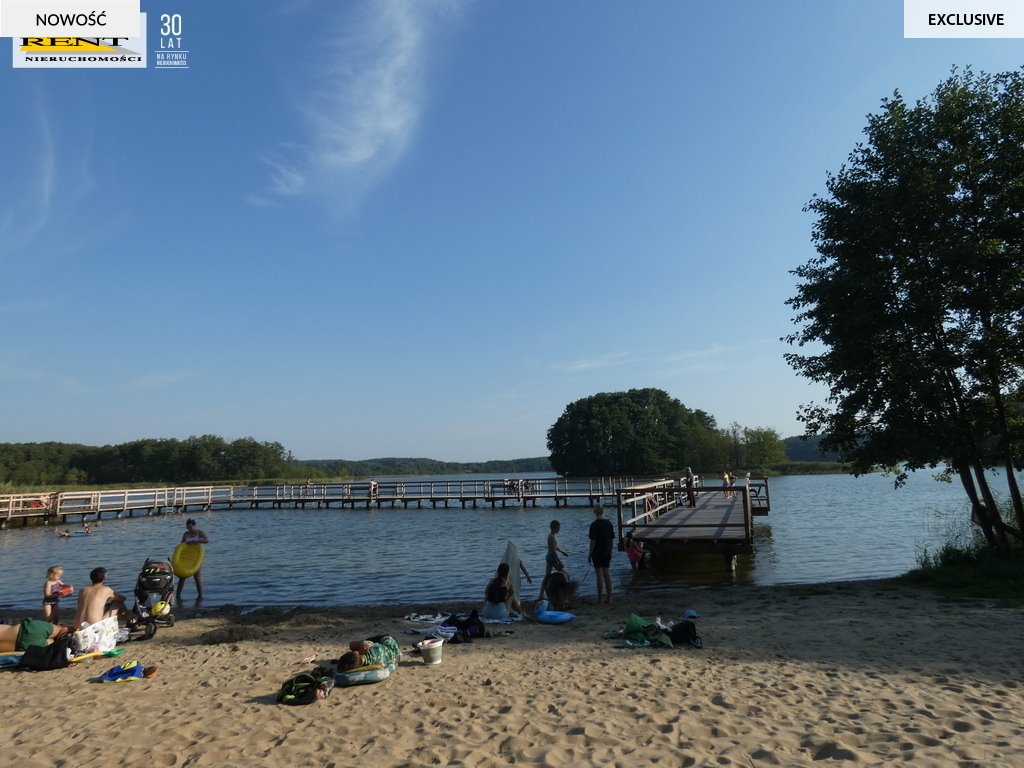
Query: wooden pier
{"points": [[27, 509], [656, 512], [720, 521]]}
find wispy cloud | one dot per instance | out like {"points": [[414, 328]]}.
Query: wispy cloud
{"points": [[715, 357], [361, 115], [608, 360], [159, 380], [32, 213]]}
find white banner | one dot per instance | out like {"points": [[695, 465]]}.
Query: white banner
{"points": [[70, 18], [963, 18]]}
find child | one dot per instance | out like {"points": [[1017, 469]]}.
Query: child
{"points": [[634, 551], [551, 559], [53, 590]]}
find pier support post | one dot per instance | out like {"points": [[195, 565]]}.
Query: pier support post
{"points": [[730, 563]]}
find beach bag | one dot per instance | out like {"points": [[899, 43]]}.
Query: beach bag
{"points": [[684, 632], [306, 687], [640, 633], [56, 655]]}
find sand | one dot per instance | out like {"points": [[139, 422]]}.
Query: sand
{"points": [[862, 674]]}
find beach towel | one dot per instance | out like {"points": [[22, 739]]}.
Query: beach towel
{"points": [[443, 631], [132, 670], [428, 618], [512, 618], [511, 557], [101, 636]]}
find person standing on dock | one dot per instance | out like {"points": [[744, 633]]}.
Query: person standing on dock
{"points": [[691, 495], [602, 538], [193, 535]]}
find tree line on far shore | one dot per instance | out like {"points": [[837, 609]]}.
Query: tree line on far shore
{"points": [[209, 458]]}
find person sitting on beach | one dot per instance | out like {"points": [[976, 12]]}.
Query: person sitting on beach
{"points": [[18, 637], [98, 601], [500, 597], [382, 649]]}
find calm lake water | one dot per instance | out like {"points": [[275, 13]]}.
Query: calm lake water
{"points": [[821, 528]]}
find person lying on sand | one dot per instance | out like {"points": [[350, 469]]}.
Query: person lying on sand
{"points": [[382, 649], [18, 637]]}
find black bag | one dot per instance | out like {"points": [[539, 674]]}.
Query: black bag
{"points": [[56, 655], [684, 632], [306, 687]]}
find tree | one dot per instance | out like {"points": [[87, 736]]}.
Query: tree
{"points": [[763, 447], [639, 432], [917, 292]]}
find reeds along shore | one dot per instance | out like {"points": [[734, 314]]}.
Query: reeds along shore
{"points": [[859, 674]]}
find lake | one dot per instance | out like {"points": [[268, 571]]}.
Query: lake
{"points": [[821, 528]]}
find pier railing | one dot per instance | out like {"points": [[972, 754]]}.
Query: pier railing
{"points": [[643, 500], [471, 491], [668, 516]]}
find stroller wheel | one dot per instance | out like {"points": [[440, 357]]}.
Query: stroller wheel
{"points": [[170, 620], [150, 629]]}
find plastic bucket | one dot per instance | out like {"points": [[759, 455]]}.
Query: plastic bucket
{"points": [[430, 650]]}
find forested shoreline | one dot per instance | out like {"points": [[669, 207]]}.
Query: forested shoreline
{"points": [[209, 458]]}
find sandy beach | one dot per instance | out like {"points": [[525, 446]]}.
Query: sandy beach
{"points": [[868, 673]]}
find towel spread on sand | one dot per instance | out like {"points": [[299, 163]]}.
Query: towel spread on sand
{"points": [[428, 618], [444, 631], [512, 619]]}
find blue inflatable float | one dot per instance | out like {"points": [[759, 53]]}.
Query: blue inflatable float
{"points": [[544, 616]]}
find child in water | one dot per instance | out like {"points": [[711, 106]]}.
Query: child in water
{"points": [[634, 551], [552, 562], [53, 590]]}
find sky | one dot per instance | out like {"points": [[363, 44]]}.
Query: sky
{"points": [[367, 229]]}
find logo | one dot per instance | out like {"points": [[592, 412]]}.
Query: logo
{"points": [[81, 52]]}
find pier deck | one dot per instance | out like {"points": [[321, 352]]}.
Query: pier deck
{"points": [[721, 520]]}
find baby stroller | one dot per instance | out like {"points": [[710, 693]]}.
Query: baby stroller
{"points": [[154, 596]]}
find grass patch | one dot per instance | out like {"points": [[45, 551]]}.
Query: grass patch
{"points": [[972, 571]]}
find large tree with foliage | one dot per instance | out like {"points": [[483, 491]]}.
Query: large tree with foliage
{"points": [[639, 432], [914, 306]]}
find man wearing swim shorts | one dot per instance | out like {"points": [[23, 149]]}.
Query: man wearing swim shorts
{"points": [[602, 538], [98, 601]]}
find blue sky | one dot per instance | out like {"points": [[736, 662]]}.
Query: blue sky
{"points": [[371, 229]]}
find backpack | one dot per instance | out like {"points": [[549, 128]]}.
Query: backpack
{"points": [[306, 687], [683, 632], [56, 655]]}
